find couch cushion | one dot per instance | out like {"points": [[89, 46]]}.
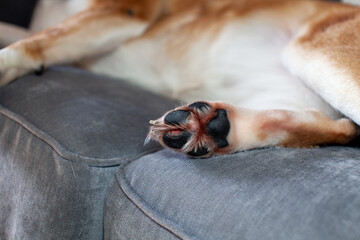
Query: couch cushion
{"points": [[261, 194], [62, 137], [84, 116]]}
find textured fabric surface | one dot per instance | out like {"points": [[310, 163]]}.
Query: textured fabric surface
{"points": [[43, 195], [65, 134], [62, 137], [124, 220], [261, 194], [89, 116]]}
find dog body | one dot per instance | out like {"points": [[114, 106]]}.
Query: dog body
{"points": [[232, 60], [271, 60]]}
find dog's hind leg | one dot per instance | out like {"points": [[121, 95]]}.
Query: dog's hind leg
{"points": [[203, 129], [326, 57], [90, 33]]}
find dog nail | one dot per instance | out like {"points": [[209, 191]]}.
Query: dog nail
{"points": [[153, 122]]}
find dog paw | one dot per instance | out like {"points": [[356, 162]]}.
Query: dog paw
{"points": [[200, 129], [14, 64]]}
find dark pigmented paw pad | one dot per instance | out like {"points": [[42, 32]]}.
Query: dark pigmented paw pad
{"points": [[202, 106], [176, 141], [218, 128], [199, 152], [177, 117]]}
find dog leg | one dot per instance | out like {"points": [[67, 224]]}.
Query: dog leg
{"points": [[90, 33], [203, 129], [326, 56]]}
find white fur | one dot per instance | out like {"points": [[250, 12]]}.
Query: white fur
{"points": [[50, 12], [13, 64], [72, 47], [354, 2], [245, 132], [240, 66], [334, 85]]}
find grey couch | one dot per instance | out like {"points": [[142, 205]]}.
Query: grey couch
{"points": [[73, 166]]}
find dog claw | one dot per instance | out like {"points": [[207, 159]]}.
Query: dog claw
{"points": [[153, 122]]}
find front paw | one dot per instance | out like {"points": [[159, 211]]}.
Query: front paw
{"points": [[199, 130], [13, 64]]}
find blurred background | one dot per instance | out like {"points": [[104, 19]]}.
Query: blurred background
{"points": [[37, 14], [18, 12], [19, 18]]}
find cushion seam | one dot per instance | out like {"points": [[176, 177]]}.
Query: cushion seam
{"points": [[144, 207], [62, 151]]}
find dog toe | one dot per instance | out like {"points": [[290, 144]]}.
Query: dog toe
{"points": [[202, 106], [177, 117], [218, 128], [198, 130], [176, 139], [201, 152]]}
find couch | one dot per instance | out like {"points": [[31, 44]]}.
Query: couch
{"points": [[73, 166]]}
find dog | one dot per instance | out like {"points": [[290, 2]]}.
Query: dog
{"points": [[253, 73]]}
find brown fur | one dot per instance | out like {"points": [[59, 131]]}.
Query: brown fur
{"points": [[327, 28], [213, 14], [317, 130], [337, 36]]}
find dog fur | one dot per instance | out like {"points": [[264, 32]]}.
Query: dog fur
{"points": [[284, 71]]}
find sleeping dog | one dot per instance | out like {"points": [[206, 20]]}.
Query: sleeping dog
{"points": [[255, 73]]}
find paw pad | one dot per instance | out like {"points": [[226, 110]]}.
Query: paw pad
{"points": [[176, 117], [202, 106], [198, 129], [218, 128], [176, 141]]}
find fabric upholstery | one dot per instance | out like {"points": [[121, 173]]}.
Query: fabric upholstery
{"points": [[62, 137], [125, 220], [72, 166], [261, 194], [88, 115]]}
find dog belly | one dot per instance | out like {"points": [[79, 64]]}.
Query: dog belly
{"points": [[242, 65], [250, 73]]}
